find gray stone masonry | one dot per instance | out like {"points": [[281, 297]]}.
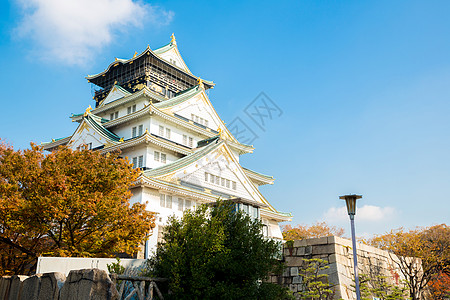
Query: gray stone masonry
{"points": [[338, 252], [87, 284]]}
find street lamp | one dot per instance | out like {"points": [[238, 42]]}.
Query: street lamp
{"points": [[350, 200]]}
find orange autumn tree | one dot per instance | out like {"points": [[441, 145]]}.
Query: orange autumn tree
{"points": [[429, 246], [318, 229], [66, 203]]}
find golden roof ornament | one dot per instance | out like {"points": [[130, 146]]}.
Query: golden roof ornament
{"points": [[135, 54], [174, 41], [88, 111], [200, 83]]}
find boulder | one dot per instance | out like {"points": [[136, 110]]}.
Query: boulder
{"points": [[89, 284]]}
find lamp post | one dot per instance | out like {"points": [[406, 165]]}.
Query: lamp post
{"points": [[350, 200]]}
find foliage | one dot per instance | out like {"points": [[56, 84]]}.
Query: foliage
{"points": [[314, 281], [379, 287], [430, 246], [116, 267], [440, 286], [66, 203], [217, 252], [319, 229]]}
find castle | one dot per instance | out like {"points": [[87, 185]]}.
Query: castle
{"points": [[159, 115]]}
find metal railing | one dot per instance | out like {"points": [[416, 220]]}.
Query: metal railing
{"points": [[141, 287]]}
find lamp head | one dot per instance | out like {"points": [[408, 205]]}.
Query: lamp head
{"points": [[350, 200]]}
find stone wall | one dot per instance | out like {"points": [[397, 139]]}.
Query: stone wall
{"points": [[338, 252], [80, 284]]}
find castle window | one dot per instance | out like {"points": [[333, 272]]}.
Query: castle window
{"points": [[141, 128], [163, 158], [131, 109], [161, 130], [133, 132], [187, 204], [111, 116], [206, 177], [141, 161], [116, 115], [184, 139], [168, 133], [180, 204], [191, 142], [134, 162], [234, 185], [206, 123], [156, 155], [165, 200]]}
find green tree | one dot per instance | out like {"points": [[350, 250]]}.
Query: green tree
{"points": [[314, 281], [217, 253], [379, 287], [66, 203]]}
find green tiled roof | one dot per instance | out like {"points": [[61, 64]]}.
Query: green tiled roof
{"points": [[164, 48], [267, 176], [101, 129], [179, 98], [182, 162]]}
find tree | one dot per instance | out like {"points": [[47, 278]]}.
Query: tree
{"points": [[217, 253], [425, 247], [66, 203], [378, 286], [440, 286], [314, 281], [319, 229]]}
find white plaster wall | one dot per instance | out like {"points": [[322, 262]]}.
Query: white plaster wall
{"points": [[125, 130], [152, 198], [86, 137], [176, 132], [198, 107], [122, 109]]}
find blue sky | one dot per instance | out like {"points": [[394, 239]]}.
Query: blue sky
{"points": [[363, 87]]}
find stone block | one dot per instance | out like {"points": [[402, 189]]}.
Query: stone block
{"points": [[333, 278], [308, 250], [293, 261], [16, 286], [294, 271], [286, 272], [300, 243], [89, 284], [317, 241], [51, 283], [30, 288], [300, 251], [293, 287], [332, 258], [5, 284], [323, 249], [297, 280]]}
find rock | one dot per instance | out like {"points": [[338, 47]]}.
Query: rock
{"points": [[16, 286], [51, 284], [5, 283], [30, 288], [89, 284]]}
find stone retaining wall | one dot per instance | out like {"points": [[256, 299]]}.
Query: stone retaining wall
{"points": [[80, 284], [338, 252]]}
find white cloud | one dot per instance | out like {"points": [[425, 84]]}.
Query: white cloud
{"points": [[369, 213], [72, 31]]}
